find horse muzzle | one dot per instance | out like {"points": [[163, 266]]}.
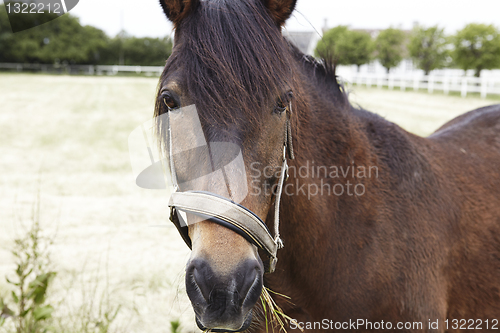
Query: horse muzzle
{"points": [[224, 303]]}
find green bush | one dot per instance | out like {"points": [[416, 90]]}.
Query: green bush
{"points": [[389, 46], [27, 307], [428, 48], [477, 46]]}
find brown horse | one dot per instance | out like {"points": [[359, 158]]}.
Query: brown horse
{"points": [[383, 230]]}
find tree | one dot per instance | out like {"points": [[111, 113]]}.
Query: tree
{"points": [[389, 47], [345, 47], [428, 48], [357, 47], [327, 46], [477, 46], [65, 40], [147, 51], [23, 46], [132, 51]]}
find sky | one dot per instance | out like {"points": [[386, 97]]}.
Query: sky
{"points": [[145, 18]]}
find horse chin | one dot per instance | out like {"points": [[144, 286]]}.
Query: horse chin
{"points": [[244, 326]]}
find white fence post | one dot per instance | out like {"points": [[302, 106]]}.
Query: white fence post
{"points": [[416, 81], [484, 87], [430, 84], [446, 85], [464, 87]]}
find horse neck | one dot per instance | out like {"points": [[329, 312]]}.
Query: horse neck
{"points": [[330, 134], [331, 137], [322, 232]]}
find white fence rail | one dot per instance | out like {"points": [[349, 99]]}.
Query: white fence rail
{"points": [[463, 85], [112, 70], [83, 69]]}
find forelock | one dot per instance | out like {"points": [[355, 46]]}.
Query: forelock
{"points": [[233, 57]]}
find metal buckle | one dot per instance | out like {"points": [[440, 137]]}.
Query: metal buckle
{"points": [[272, 264]]}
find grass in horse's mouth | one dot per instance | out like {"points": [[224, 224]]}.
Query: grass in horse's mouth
{"points": [[276, 314]]}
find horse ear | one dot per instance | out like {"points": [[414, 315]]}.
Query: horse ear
{"points": [[280, 10], [177, 10]]}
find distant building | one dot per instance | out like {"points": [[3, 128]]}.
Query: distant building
{"points": [[373, 32]]}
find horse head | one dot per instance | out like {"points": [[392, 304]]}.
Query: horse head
{"points": [[231, 64]]}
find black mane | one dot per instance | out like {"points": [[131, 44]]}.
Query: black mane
{"points": [[233, 57], [323, 76]]}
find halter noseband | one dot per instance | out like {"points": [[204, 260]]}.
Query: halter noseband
{"points": [[229, 214]]}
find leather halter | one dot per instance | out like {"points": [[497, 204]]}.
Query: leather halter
{"points": [[229, 214]]}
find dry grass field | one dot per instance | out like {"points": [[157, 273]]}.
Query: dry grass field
{"points": [[113, 244]]}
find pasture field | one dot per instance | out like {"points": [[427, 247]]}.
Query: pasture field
{"points": [[113, 243]]}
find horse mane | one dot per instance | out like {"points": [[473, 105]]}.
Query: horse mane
{"points": [[324, 76], [234, 60]]}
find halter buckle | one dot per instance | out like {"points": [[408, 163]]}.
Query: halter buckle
{"points": [[272, 264]]}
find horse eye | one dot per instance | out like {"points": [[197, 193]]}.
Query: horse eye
{"points": [[282, 103], [170, 101], [280, 107]]}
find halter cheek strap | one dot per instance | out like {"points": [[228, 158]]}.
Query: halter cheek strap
{"points": [[231, 215], [287, 148]]}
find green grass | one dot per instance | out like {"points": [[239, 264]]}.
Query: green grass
{"points": [[72, 131]]}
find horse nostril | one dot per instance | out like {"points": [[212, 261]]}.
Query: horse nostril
{"points": [[248, 279], [198, 278], [217, 296], [251, 287]]}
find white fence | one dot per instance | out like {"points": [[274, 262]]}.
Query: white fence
{"points": [[484, 86], [488, 85], [112, 70], [84, 69]]}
